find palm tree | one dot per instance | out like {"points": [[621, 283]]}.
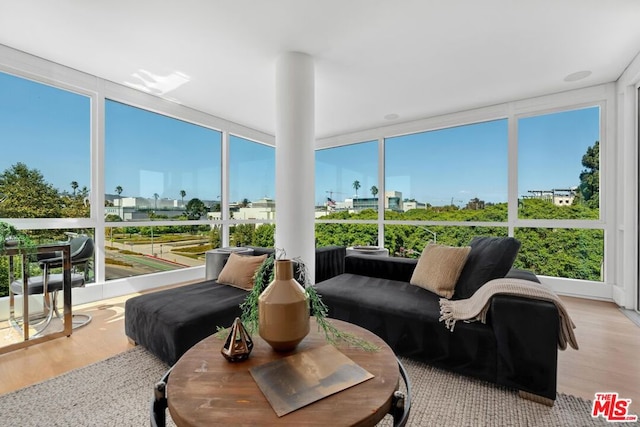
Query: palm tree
{"points": [[74, 186], [156, 196], [119, 190], [374, 190], [356, 186], [182, 194]]}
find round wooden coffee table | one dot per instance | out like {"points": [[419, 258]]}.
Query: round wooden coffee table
{"points": [[204, 389]]}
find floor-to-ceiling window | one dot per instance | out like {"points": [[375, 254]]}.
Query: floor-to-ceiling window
{"points": [[159, 171], [251, 192], [141, 175], [531, 173], [347, 195], [559, 194], [445, 178], [45, 165]]}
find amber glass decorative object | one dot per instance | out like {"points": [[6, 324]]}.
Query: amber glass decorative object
{"points": [[239, 344], [283, 310]]}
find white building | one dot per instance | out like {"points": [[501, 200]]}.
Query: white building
{"points": [[393, 200], [260, 209], [413, 205], [558, 196]]}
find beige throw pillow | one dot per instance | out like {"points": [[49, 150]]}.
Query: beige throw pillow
{"points": [[240, 269], [439, 268]]}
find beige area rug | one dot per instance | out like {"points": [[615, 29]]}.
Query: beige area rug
{"points": [[116, 392]]}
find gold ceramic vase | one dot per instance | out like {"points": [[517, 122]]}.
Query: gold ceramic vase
{"points": [[283, 310]]}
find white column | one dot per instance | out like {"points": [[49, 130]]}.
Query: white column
{"points": [[295, 172]]}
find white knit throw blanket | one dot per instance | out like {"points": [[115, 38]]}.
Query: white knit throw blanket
{"points": [[476, 307]]}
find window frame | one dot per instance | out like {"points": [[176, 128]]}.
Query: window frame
{"points": [[602, 96], [26, 66], [134, 98]]}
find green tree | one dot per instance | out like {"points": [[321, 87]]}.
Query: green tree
{"points": [[573, 253], [195, 209], [110, 231], [4, 277], [84, 192], [590, 176], [475, 204], [374, 190], [119, 190], [264, 236], [74, 207], [356, 186], [214, 237], [156, 196], [242, 234], [74, 186], [544, 209], [182, 194], [28, 195]]}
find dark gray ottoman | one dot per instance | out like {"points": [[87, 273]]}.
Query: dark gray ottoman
{"points": [[170, 322]]}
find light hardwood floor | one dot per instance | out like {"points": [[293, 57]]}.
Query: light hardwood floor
{"points": [[608, 359]]}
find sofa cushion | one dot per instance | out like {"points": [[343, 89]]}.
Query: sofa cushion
{"points": [[391, 268], [490, 258], [239, 270], [439, 268], [373, 293]]}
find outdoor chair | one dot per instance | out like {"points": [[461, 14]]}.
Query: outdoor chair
{"points": [[82, 249]]}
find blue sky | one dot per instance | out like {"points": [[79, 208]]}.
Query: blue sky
{"points": [[458, 164], [47, 129], [455, 164], [146, 153]]}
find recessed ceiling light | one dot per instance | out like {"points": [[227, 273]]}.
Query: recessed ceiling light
{"points": [[574, 77], [391, 116]]}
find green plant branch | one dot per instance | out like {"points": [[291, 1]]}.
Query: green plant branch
{"points": [[320, 310], [332, 334], [263, 276], [8, 231]]}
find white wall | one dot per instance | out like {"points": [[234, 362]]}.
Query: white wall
{"points": [[626, 293]]}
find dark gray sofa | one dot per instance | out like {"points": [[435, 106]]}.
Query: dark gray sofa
{"points": [[171, 321], [517, 347]]}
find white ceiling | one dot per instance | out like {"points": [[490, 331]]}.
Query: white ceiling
{"points": [[373, 58]]}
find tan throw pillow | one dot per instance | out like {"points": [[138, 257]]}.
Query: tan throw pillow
{"points": [[439, 268], [240, 269]]}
